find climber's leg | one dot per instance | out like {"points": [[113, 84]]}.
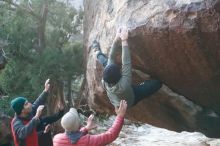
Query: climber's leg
{"points": [[102, 59], [145, 89]]}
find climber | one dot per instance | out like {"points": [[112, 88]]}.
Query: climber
{"points": [[118, 81]]}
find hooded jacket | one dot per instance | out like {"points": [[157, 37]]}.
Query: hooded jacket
{"points": [[92, 140]]}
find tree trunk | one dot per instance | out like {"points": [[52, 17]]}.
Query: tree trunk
{"points": [[41, 29]]}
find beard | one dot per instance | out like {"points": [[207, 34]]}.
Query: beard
{"points": [[28, 110]]}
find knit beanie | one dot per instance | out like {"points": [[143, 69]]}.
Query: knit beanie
{"points": [[17, 104], [70, 121], [112, 74]]}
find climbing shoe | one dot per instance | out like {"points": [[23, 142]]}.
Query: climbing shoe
{"points": [[95, 45]]}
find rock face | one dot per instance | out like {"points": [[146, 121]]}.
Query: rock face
{"points": [[137, 134], [5, 131], [174, 41]]}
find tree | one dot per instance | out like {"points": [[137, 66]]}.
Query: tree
{"points": [[39, 33]]}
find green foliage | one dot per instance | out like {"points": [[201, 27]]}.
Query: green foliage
{"points": [[5, 105], [26, 78], [27, 69]]}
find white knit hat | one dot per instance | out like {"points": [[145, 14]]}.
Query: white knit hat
{"points": [[70, 121]]}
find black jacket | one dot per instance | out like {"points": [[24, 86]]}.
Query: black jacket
{"points": [[45, 139]]}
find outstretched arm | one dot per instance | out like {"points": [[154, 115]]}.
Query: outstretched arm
{"points": [[52, 118], [126, 57], [42, 98], [112, 133], [115, 45], [45, 121]]}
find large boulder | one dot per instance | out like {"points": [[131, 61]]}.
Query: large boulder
{"points": [[137, 134], [172, 40]]}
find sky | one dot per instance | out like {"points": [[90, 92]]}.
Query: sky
{"points": [[75, 3]]}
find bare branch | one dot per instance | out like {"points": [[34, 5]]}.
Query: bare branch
{"points": [[30, 5], [42, 27]]}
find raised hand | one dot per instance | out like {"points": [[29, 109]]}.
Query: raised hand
{"points": [[122, 108], [124, 33], [90, 123], [39, 111], [60, 106], [47, 85], [47, 128], [118, 33]]}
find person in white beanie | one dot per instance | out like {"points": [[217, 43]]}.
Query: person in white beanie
{"points": [[70, 121], [74, 135]]}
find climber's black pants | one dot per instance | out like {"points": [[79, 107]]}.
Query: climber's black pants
{"points": [[102, 59], [145, 89]]}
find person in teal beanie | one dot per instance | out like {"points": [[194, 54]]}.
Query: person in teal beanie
{"points": [[27, 117], [17, 104]]}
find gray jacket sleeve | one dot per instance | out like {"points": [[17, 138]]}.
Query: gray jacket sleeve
{"points": [[126, 65], [21, 130], [126, 59], [39, 101], [112, 53]]}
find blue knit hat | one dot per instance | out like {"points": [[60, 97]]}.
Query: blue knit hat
{"points": [[17, 104], [112, 74]]}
